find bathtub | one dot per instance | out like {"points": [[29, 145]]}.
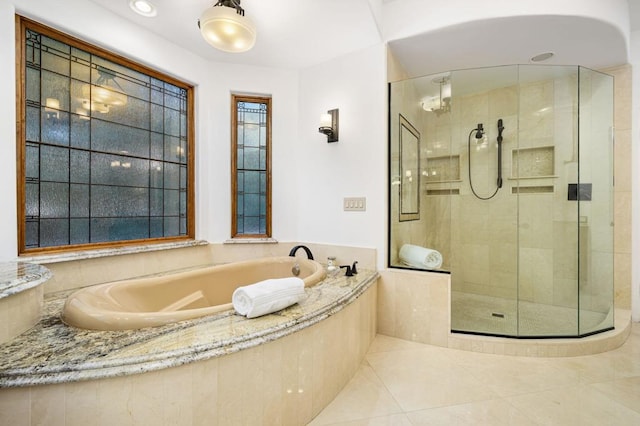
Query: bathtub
{"points": [[155, 301]]}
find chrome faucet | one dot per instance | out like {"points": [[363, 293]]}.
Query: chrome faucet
{"points": [[292, 253]]}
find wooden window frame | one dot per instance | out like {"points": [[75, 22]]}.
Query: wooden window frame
{"points": [[235, 98], [22, 24]]}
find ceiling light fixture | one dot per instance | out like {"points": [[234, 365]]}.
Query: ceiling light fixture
{"points": [[225, 27], [441, 103], [143, 7]]}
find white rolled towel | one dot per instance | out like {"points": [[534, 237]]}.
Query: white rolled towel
{"points": [[267, 296], [420, 257]]}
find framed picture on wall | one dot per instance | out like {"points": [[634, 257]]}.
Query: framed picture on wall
{"points": [[409, 171]]}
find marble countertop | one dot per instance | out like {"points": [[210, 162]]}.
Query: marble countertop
{"points": [[53, 352], [19, 276]]}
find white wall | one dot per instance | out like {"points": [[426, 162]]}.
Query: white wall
{"points": [[214, 83], [355, 166], [213, 186], [635, 177], [8, 228]]}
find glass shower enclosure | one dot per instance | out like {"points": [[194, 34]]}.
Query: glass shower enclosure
{"points": [[503, 177]]}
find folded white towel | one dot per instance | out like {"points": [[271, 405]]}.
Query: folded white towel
{"points": [[420, 257], [267, 296]]}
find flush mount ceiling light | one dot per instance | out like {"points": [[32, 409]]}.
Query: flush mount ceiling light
{"points": [[143, 7], [225, 27]]}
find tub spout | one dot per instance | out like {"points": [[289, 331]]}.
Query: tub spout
{"points": [[293, 251]]}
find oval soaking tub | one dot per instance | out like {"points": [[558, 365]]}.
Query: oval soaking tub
{"points": [[154, 301]]}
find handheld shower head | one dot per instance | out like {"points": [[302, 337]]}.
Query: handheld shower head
{"points": [[500, 129]]}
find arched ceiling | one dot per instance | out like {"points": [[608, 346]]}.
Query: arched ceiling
{"points": [[574, 40]]}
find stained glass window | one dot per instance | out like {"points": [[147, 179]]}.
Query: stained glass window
{"points": [[251, 141], [106, 147]]}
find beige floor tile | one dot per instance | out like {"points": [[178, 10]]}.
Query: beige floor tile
{"points": [[509, 376], [496, 412], [578, 405], [429, 385], [624, 391], [392, 420], [626, 362], [427, 378], [365, 396]]}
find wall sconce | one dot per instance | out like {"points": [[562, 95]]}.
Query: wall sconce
{"points": [[329, 125]]}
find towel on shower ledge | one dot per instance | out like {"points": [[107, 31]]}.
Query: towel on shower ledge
{"points": [[267, 296], [420, 257]]}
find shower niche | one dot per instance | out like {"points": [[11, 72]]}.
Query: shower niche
{"points": [[499, 152]]}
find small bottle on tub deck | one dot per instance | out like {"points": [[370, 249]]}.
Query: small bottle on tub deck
{"points": [[332, 266]]}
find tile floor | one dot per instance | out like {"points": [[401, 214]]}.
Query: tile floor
{"points": [[406, 383]]}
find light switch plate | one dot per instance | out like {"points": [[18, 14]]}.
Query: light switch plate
{"points": [[355, 204]]}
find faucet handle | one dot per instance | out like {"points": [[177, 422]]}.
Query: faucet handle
{"points": [[349, 272], [353, 268]]}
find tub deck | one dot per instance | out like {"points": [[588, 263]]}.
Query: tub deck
{"points": [[53, 352]]}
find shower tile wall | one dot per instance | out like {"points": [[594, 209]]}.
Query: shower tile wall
{"points": [[622, 190], [484, 233]]}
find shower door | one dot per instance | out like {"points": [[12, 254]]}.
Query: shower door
{"points": [[546, 165], [484, 281], [595, 203], [513, 189]]}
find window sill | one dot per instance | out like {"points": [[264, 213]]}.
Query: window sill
{"points": [[116, 251], [251, 241]]}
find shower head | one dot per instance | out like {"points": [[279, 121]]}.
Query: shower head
{"points": [[480, 135]]}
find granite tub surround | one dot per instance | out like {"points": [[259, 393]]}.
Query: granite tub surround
{"points": [[20, 276], [53, 352], [21, 297], [282, 381]]}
